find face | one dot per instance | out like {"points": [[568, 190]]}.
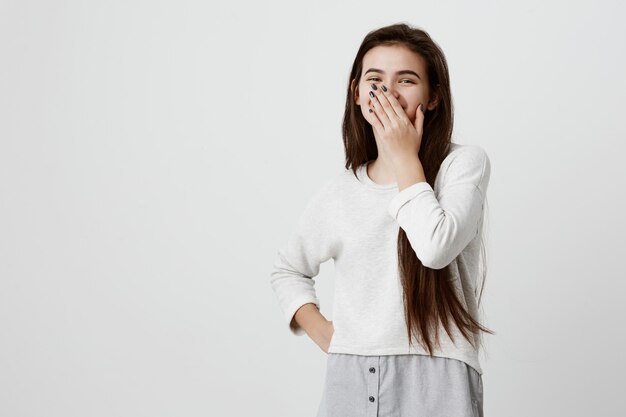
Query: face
{"points": [[385, 65]]}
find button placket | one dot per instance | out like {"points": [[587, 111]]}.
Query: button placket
{"points": [[373, 385]]}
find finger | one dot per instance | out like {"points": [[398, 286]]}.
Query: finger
{"points": [[375, 120], [385, 107], [380, 112], [419, 119], [391, 104]]}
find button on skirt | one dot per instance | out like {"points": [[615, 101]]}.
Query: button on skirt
{"points": [[400, 386]]}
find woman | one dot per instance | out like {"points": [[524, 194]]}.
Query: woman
{"points": [[403, 224]]}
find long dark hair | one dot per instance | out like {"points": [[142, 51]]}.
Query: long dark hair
{"points": [[429, 295]]}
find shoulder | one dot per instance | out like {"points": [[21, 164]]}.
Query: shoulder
{"points": [[338, 183], [466, 162], [467, 153]]}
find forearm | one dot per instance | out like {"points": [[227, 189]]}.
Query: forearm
{"points": [[309, 318]]}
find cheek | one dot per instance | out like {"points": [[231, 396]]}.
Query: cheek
{"points": [[365, 100], [414, 102]]}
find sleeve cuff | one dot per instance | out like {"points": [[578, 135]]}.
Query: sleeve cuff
{"points": [[407, 195]]}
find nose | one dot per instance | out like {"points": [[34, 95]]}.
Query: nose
{"points": [[392, 90]]}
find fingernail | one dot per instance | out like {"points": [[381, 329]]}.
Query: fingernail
{"points": [[422, 108], [384, 88], [374, 87], [371, 94]]}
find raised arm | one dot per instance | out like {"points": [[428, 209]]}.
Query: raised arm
{"points": [[440, 228]]}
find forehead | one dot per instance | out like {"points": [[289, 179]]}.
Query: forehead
{"points": [[391, 58]]}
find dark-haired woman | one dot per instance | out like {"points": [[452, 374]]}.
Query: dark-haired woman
{"points": [[403, 223]]}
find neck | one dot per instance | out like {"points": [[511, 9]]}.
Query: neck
{"points": [[381, 171]]}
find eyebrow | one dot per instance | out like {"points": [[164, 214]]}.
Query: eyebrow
{"points": [[397, 73]]}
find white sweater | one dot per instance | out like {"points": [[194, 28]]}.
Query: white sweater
{"points": [[355, 221]]}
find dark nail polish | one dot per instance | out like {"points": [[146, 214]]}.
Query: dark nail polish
{"points": [[371, 94], [384, 88], [374, 87]]}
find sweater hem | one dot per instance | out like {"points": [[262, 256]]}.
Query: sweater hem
{"points": [[472, 362]]}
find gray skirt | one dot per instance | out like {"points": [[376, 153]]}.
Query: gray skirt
{"points": [[400, 386]]}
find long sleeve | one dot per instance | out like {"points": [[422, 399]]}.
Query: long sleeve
{"points": [[438, 229], [298, 261]]}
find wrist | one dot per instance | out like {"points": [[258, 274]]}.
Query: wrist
{"points": [[309, 318], [406, 160], [316, 326], [408, 171]]}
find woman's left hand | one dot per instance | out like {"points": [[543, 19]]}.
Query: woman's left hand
{"points": [[400, 137]]}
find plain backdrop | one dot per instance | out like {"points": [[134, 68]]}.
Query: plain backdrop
{"points": [[154, 155]]}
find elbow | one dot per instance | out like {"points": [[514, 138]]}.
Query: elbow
{"points": [[434, 263], [433, 253], [433, 259]]}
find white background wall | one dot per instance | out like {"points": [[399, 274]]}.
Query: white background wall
{"points": [[154, 155]]}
